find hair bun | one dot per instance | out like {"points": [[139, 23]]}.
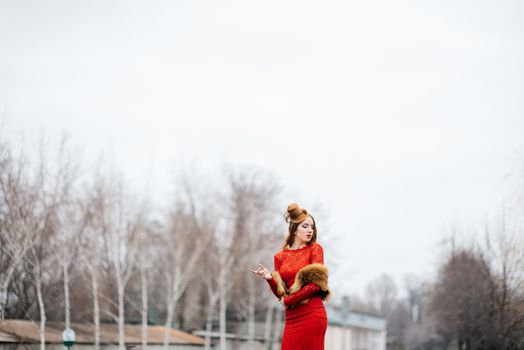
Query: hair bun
{"points": [[295, 214]]}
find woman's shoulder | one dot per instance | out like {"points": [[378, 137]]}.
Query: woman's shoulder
{"points": [[316, 246]]}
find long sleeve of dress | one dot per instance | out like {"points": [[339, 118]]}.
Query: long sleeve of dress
{"points": [[307, 291], [317, 257], [272, 283]]}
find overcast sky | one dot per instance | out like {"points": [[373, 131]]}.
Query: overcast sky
{"points": [[399, 118]]}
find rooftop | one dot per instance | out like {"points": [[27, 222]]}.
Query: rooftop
{"points": [[15, 331]]}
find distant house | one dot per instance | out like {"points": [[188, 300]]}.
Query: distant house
{"points": [[354, 330], [22, 334]]}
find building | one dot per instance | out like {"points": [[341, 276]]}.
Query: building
{"points": [[354, 330], [23, 334]]}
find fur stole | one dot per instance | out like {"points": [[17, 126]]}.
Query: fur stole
{"points": [[313, 273]]}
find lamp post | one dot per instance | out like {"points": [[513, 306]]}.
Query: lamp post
{"points": [[69, 337]]}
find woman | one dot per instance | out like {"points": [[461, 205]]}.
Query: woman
{"points": [[300, 282]]}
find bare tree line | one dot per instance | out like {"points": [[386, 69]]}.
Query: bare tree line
{"points": [[77, 245], [475, 302]]}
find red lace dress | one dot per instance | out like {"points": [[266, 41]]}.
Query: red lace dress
{"points": [[306, 324]]}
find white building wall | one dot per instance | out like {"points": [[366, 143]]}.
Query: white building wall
{"points": [[338, 338]]}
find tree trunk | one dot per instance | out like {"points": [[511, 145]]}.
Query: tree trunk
{"points": [[41, 308], [278, 330], [173, 297], [96, 310], [143, 279], [169, 322], [121, 313], [66, 296], [209, 323], [4, 285], [222, 291], [251, 320], [267, 325], [3, 302]]}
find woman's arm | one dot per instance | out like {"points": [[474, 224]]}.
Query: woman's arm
{"points": [[272, 283], [307, 291]]}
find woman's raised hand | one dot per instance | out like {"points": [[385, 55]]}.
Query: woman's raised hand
{"points": [[262, 271]]}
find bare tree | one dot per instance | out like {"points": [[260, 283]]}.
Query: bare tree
{"points": [[92, 250], [181, 253], [146, 261], [17, 202], [36, 260], [97, 237], [143, 266], [381, 294], [187, 236], [251, 197], [463, 301], [381, 297], [182, 248], [68, 223], [213, 262], [121, 239], [478, 296], [505, 247], [221, 282], [52, 185]]}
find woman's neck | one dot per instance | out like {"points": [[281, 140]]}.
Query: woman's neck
{"points": [[298, 245]]}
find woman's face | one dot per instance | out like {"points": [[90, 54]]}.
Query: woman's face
{"points": [[305, 230]]}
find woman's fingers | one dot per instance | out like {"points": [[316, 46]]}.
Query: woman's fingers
{"points": [[260, 270]]}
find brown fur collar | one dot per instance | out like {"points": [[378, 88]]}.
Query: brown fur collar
{"points": [[314, 273]]}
